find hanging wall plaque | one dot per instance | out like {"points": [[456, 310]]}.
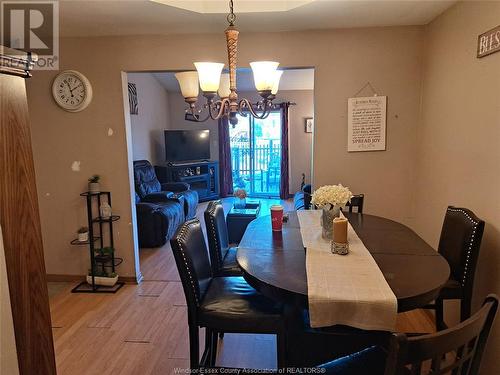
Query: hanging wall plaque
{"points": [[367, 123]]}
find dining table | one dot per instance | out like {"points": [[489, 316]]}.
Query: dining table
{"points": [[274, 263]]}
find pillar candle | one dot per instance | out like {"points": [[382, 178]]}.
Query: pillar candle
{"points": [[340, 230]]}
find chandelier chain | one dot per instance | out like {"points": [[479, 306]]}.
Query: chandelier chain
{"points": [[231, 17]]}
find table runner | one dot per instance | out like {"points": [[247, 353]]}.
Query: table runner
{"points": [[344, 289]]}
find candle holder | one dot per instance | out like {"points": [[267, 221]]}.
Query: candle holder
{"points": [[339, 248]]}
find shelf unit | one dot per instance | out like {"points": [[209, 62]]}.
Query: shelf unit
{"points": [[203, 177], [97, 232]]}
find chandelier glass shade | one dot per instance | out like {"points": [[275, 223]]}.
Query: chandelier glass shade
{"points": [[219, 89]]}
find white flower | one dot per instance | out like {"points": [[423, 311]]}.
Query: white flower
{"points": [[334, 195]]}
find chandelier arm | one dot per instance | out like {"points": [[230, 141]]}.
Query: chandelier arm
{"points": [[195, 112], [221, 111], [244, 103]]}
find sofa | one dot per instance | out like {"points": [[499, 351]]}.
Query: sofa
{"points": [[161, 208], [157, 222]]}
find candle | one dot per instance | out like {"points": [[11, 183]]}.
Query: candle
{"points": [[340, 230]]}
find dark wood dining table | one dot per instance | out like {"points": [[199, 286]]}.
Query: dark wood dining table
{"points": [[274, 263]]}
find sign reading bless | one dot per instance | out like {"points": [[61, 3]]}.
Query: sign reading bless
{"points": [[488, 42]]}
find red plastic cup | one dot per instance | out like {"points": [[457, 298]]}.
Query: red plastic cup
{"points": [[277, 217]]}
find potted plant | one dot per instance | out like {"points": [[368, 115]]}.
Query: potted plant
{"points": [[101, 275], [103, 278], [94, 184], [83, 234]]}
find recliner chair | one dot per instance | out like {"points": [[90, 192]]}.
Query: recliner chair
{"points": [[151, 190], [157, 222]]}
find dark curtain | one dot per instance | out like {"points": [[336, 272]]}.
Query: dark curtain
{"points": [[284, 189], [225, 168]]}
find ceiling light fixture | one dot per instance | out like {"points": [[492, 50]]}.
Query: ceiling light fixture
{"points": [[209, 77]]}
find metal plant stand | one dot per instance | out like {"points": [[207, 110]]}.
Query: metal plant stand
{"points": [[103, 234]]}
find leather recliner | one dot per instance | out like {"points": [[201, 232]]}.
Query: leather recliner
{"points": [[157, 222], [302, 198], [220, 304], [222, 257], [149, 188]]}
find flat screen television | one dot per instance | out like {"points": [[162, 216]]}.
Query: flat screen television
{"points": [[187, 145]]}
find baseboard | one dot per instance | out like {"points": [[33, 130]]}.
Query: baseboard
{"points": [[75, 278], [128, 279], [63, 278]]}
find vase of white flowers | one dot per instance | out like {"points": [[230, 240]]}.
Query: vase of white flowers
{"points": [[330, 199]]}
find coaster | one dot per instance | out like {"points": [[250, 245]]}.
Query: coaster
{"points": [[339, 248]]}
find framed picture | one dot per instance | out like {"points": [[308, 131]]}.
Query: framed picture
{"points": [[309, 125]]}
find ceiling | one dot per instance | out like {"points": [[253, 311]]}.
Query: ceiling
{"points": [[292, 79], [144, 17]]}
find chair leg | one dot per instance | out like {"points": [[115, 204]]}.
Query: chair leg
{"points": [[465, 309], [213, 348], [281, 350], [194, 347], [440, 325], [205, 358]]}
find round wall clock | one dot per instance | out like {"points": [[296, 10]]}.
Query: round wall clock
{"points": [[72, 91]]}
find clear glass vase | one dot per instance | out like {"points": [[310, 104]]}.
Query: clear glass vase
{"points": [[240, 203], [327, 217]]}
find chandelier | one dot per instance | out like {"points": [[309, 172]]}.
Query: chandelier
{"points": [[213, 82]]}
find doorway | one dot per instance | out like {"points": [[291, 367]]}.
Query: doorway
{"points": [[256, 155]]}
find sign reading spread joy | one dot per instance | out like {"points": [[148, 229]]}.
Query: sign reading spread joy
{"points": [[366, 123], [488, 42]]}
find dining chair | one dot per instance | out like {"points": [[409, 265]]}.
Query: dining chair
{"points": [[459, 244], [222, 256], [220, 304], [456, 350], [356, 202]]}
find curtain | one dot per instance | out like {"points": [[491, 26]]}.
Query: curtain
{"points": [[284, 188], [225, 168]]}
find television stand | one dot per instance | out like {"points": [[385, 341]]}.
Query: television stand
{"points": [[202, 176]]}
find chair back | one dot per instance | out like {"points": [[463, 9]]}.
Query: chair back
{"points": [[145, 178], [218, 239], [357, 201], [460, 242], [191, 258], [456, 350]]}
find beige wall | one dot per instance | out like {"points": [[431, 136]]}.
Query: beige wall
{"points": [[153, 118], [344, 61], [459, 140], [300, 143]]}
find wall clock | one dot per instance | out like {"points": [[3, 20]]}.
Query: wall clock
{"points": [[72, 91]]}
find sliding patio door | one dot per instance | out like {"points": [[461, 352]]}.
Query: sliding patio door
{"points": [[256, 155]]}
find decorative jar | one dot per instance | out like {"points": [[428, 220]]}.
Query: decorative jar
{"points": [[105, 210], [240, 202], [327, 216]]}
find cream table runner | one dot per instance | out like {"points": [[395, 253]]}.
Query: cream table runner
{"points": [[344, 289]]}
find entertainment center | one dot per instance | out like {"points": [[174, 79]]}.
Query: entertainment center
{"points": [[203, 177], [187, 156]]}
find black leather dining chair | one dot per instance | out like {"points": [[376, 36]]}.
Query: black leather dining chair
{"points": [[456, 350], [220, 304], [459, 244], [222, 256], [357, 202]]}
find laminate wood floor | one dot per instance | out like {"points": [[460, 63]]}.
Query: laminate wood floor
{"points": [[142, 329]]}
